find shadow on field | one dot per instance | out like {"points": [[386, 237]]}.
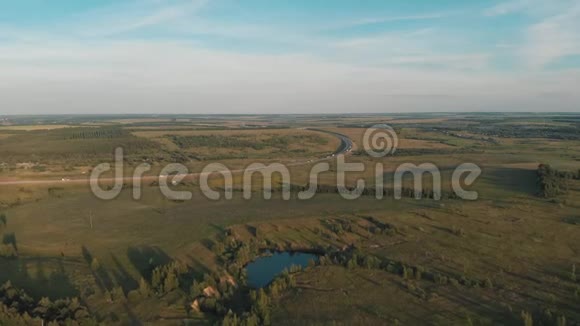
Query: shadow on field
{"points": [[480, 306], [123, 277], [10, 239], [572, 220], [107, 279], [208, 244], [39, 277], [513, 180], [146, 258], [252, 230], [199, 268], [102, 278]]}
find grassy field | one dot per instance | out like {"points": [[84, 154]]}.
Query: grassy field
{"points": [[235, 144], [509, 251], [34, 127], [71, 152]]}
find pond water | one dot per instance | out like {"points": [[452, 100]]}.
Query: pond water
{"points": [[264, 269]]}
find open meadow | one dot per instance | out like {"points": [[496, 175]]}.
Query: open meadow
{"points": [[508, 257]]}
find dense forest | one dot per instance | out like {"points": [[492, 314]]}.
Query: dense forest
{"points": [[553, 182]]}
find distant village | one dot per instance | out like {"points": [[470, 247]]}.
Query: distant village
{"points": [[5, 121]]}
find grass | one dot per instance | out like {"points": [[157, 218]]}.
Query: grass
{"points": [[34, 127], [486, 250], [524, 244], [71, 145], [365, 297], [245, 144], [60, 228]]}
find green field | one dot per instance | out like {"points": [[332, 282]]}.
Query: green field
{"points": [[506, 257]]}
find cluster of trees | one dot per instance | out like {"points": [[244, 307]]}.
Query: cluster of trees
{"points": [[166, 278], [529, 131], [8, 247], [211, 291], [77, 147], [372, 191], [220, 141], [259, 310], [543, 317], [339, 226], [428, 151], [94, 133], [380, 227], [552, 182], [217, 295], [342, 226], [240, 141], [235, 254], [353, 258], [114, 293], [18, 308], [472, 137], [162, 280]]}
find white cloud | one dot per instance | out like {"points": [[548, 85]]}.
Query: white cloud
{"points": [[553, 32], [553, 38], [388, 19], [182, 78], [422, 47], [127, 17], [395, 40], [508, 7], [533, 8], [457, 61], [78, 67]]}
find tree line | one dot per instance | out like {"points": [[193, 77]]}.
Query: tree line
{"points": [[387, 192], [18, 308], [242, 142], [553, 182]]}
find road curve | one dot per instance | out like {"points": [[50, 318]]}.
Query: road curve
{"points": [[344, 148], [345, 142]]}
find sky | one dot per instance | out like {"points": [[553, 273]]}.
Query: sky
{"points": [[299, 56]]}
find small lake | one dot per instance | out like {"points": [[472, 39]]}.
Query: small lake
{"points": [[264, 269]]}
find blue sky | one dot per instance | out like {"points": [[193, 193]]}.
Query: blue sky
{"points": [[300, 56]]}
